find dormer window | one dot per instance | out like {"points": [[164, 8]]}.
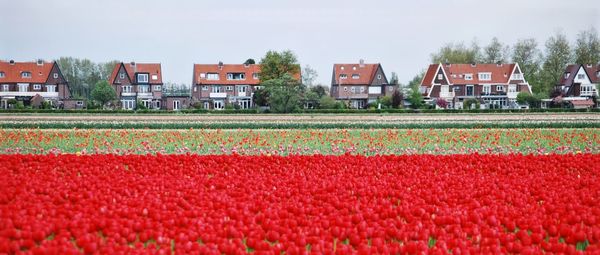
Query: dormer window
{"points": [[468, 77], [2, 74], [355, 76], [485, 76], [37, 86], [142, 78], [567, 75], [212, 76], [255, 76], [343, 76], [55, 75], [236, 76], [122, 76], [342, 67], [379, 76], [26, 75], [202, 75], [154, 77]]}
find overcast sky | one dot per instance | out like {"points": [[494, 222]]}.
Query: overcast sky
{"points": [[400, 35]]}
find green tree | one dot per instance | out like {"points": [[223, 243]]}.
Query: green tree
{"points": [[415, 98], [529, 58], [558, 55], [261, 97], [275, 64], [394, 79], [249, 61], [284, 93], [496, 52], [327, 102], [320, 90], [457, 53], [587, 47], [103, 93]]}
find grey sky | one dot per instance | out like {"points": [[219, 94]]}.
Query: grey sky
{"points": [[400, 35]]}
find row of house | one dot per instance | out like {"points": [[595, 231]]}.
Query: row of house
{"points": [[357, 84]]}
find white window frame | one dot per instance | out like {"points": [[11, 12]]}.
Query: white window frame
{"points": [[362, 89], [144, 77], [79, 103], [202, 75], [355, 76], [143, 88], [157, 104], [345, 88], [487, 76], [127, 89], [50, 88], [486, 89], [255, 76], [23, 87], [122, 76], [217, 89], [55, 75], [580, 76], [353, 89], [128, 104], [37, 86], [512, 88], [343, 76], [212, 76], [26, 75], [5, 87], [176, 105], [242, 89], [468, 77], [229, 88], [379, 76], [440, 76], [155, 77], [499, 88], [157, 88], [2, 74], [204, 88]]}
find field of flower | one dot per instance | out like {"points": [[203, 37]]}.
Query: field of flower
{"points": [[230, 204], [300, 141]]}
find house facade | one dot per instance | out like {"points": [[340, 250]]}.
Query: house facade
{"points": [[135, 82], [580, 81], [215, 85], [359, 84], [493, 85], [22, 81]]}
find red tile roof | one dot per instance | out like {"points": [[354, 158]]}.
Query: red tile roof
{"points": [[593, 71], [12, 72], [587, 102], [455, 73], [133, 68], [366, 73], [248, 71]]}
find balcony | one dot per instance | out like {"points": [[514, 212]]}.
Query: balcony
{"points": [[144, 94], [29, 94], [217, 95], [446, 94]]}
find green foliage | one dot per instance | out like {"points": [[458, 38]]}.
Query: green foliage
{"points": [[139, 105], [309, 75], [103, 93], [284, 93], [83, 74], [522, 97], [249, 61], [20, 105], [397, 98], [394, 79], [471, 104], [495, 52], [558, 55], [587, 47], [320, 90], [328, 102], [275, 64], [261, 97], [386, 101], [457, 53], [415, 98], [529, 58]]}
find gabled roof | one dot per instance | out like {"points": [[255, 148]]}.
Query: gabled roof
{"points": [[572, 70], [133, 68], [455, 73], [222, 71], [590, 70], [593, 72], [366, 73], [12, 72]]}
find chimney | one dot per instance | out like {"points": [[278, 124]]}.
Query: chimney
{"points": [[589, 65], [361, 62], [40, 62], [132, 63], [473, 64], [499, 63], [12, 62], [220, 65]]}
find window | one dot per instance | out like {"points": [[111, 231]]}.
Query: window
{"points": [[55, 76], [157, 88], [485, 76], [345, 88], [362, 89], [157, 104], [37, 86], [26, 75], [5, 87], [79, 103], [23, 87], [255, 76], [122, 76], [468, 76], [217, 89], [499, 88], [143, 88], [580, 76], [487, 89], [204, 88], [598, 74], [343, 76], [202, 75], [355, 76], [512, 88], [354, 68], [218, 105], [342, 68], [212, 76], [51, 88], [391, 88], [242, 89], [229, 88], [176, 105], [379, 76], [440, 77], [142, 78], [470, 90], [154, 77], [127, 89], [567, 75], [236, 76], [128, 104], [517, 76], [353, 89], [2, 74]]}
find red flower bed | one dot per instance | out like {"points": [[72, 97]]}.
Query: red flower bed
{"points": [[322, 204]]}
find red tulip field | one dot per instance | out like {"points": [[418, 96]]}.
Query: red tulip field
{"points": [[321, 204]]}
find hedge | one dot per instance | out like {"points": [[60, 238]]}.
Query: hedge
{"points": [[307, 111]]}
